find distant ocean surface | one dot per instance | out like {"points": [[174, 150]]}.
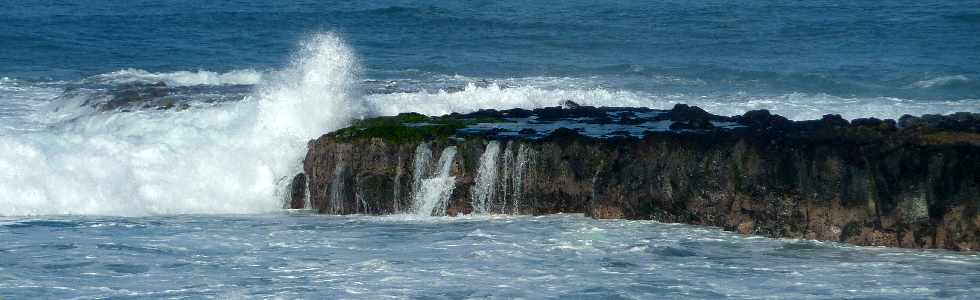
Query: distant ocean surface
{"points": [[147, 203]]}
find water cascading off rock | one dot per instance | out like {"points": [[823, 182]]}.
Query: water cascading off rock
{"points": [[484, 187], [434, 190], [865, 182]]}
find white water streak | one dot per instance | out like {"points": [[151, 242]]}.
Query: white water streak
{"points": [[507, 175], [337, 196], [484, 187], [437, 188], [520, 176], [421, 166]]}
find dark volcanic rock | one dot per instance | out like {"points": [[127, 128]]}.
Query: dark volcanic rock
{"points": [[866, 182], [297, 192]]}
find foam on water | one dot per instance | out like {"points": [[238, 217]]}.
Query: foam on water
{"points": [[229, 156], [226, 158], [796, 106], [180, 78], [19, 103], [940, 81], [486, 256]]}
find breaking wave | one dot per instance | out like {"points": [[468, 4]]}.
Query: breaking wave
{"points": [[180, 78], [226, 158], [796, 106], [232, 157]]}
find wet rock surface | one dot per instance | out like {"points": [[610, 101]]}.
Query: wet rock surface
{"points": [[296, 198], [911, 183], [140, 96]]}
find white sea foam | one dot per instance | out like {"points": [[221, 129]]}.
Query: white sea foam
{"points": [[224, 159], [181, 78], [796, 106], [228, 157], [19, 103], [939, 81]]}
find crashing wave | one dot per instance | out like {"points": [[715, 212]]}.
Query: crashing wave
{"points": [[226, 158]]}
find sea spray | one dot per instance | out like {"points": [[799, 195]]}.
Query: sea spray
{"points": [[222, 158], [438, 187], [484, 187]]}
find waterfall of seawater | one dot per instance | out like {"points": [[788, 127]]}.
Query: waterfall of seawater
{"points": [[423, 158], [499, 183], [337, 189], [484, 187], [507, 177], [520, 173], [434, 190]]}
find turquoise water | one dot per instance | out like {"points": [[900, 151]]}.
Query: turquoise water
{"points": [[147, 203]]}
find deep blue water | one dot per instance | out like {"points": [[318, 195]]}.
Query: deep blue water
{"points": [[842, 48], [147, 203]]}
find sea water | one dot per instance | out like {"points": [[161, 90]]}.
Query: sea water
{"points": [[145, 203], [292, 255]]}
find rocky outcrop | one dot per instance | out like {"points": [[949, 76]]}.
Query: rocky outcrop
{"points": [[126, 98], [913, 183], [296, 198]]}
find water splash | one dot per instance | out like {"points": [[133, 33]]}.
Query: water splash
{"points": [[438, 187], [484, 187], [224, 158]]}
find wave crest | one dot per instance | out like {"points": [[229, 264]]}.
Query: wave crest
{"points": [[796, 106], [180, 78], [940, 81], [226, 158]]}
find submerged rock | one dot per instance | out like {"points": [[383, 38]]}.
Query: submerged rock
{"points": [[866, 182], [135, 96]]}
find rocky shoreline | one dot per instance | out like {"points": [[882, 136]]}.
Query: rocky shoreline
{"points": [[910, 183]]}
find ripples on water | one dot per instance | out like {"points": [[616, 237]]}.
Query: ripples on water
{"points": [[298, 255]]}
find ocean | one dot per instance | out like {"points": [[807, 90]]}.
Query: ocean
{"points": [[142, 202]]}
